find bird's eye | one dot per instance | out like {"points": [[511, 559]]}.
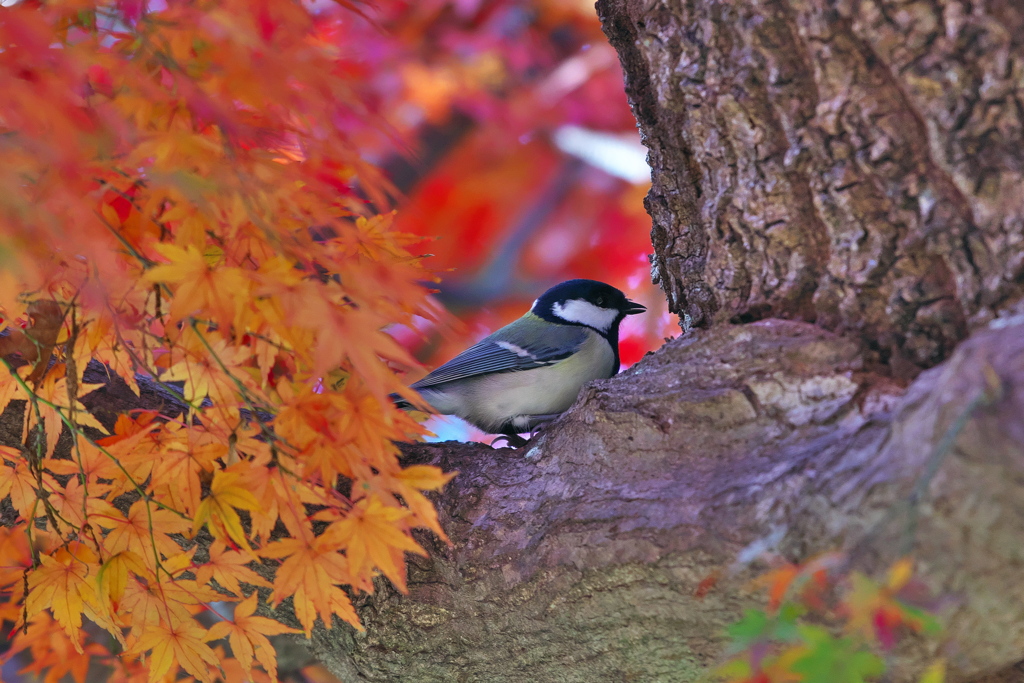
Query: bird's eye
{"points": [[599, 301]]}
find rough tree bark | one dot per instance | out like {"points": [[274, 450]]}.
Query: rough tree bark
{"points": [[855, 168], [579, 560], [852, 163]]}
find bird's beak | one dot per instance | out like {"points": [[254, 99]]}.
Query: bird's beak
{"points": [[632, 307]]}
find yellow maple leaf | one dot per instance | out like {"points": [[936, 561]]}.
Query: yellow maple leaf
{"points": [[62, 583], [227, 492], [113, 576], [425, 477], [181, 643]]}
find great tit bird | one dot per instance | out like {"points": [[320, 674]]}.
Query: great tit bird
{"points": [[530, 371]]}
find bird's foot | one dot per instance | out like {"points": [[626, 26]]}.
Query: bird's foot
{"points": [[537, 422], [511, 440], [542, 422]]}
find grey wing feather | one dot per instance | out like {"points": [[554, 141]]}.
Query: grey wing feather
{"points": [[507, 350]]}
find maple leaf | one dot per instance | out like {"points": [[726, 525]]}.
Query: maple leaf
{"points": [[425, 477], [52, 651], [371, 537], [289, 497], [113, 576], [135, 445], [54, 392], [228, 568], [876, 613], [310, 569], [180, 643], [355, 336], [780, 580], [10, 389], [62, 583], [76, 508], [150, 599], [208, 365], [247, 635], [227, 492], [103, 341], [410, 481], [89, 461], [216, 292], [15, 456], [15, 555], [235, 673], [23, 492], [176, 472], [144, 530]]}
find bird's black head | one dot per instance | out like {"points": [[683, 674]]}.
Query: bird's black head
{"points": [[588, 303]]}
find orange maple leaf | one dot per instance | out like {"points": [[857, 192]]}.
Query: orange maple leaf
{"points": [[52, 651], [23, 492], [228, 568], [15, 555], [89, 461], [219, 293], [144, 530], [780, 580], [209, 366], [308, 573], [176, 472], [371, 537]]}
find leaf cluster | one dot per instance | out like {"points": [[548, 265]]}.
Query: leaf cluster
{"points": [[182, 202]]}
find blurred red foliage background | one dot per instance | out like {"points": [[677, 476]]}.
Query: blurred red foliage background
{"points": [[513, 150]]}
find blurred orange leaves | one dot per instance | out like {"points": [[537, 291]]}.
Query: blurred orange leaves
{"points": [[184, 205]]}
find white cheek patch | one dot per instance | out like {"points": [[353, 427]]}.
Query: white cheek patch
{"points": [[586, 313], [518, 350]]}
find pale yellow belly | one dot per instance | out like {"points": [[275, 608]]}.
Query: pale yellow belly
{"points": [[490, 401]]}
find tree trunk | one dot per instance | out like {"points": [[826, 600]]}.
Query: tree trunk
{"points": [[854, 164]]}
